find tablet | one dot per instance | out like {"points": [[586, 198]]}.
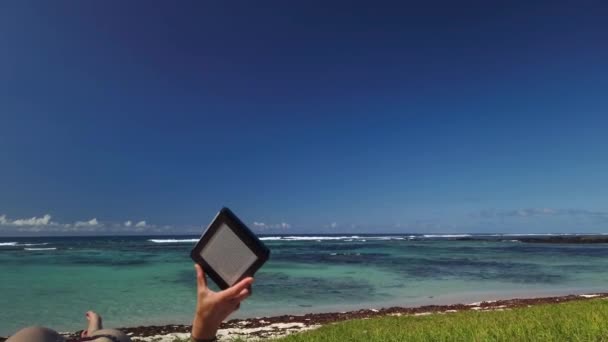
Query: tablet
{"points": [[228, 251]]}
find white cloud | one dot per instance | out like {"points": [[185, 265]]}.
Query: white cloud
{"points": [[45, 224], [32, 221], [541, 212], [333, 225], [262, 225], [90, 223]]}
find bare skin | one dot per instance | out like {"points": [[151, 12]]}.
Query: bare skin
{"points": [[94, 323], [214, 307]]}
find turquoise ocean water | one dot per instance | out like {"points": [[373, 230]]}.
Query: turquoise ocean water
{"points": [[150, 280]]}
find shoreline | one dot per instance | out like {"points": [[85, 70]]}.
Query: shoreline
{"points": [[277, 326]]}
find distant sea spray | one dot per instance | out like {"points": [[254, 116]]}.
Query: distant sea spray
{"points": [[173, 240], [12, 244]]}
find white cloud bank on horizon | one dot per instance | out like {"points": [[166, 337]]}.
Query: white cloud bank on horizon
{"points": [[44, 223], [264, 226], [541, 212], [32, 221], [90, 223]]}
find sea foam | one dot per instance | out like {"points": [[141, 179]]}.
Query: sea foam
{"points": [[41, 249], [308, 238], [22, 244], [446, 235], [173, 240], [344, 238]]}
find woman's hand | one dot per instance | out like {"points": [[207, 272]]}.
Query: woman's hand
{"points": [[214, 307]]}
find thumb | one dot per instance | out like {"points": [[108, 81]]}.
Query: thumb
{"points": [[201, 281]]}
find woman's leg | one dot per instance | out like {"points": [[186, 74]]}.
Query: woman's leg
{"points": [[118, 336], [36, 334], [94, 323], [95, 328]]}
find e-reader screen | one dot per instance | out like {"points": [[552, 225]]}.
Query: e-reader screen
{"points": [[228, 251], [228, 255]]}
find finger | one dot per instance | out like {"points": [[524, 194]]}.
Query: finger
{"points": [[235, 289], [201, 281], [242, 295]]}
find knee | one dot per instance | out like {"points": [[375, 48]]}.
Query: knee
{"points": [[117, 334], [36, 334]]}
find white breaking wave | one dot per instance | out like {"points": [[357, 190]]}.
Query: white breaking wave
{"points": [[542, 234], [22, 244], [308, 238], [385, 238], [41, 249], [446, 235], [344, 238], [304, 238], [173, 240]]}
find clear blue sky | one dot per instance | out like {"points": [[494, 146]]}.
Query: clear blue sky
{"points": [[303, 116]]}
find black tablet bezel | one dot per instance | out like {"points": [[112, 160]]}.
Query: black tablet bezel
{"points": [[245, 234]]}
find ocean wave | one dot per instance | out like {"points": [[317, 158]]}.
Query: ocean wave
{"points": [[344, 238], [446, 235], [17, 244], [541, 234], [173, 240], [304, 238], [40, 249], [344, 254], [387, 238], [308, 238]]}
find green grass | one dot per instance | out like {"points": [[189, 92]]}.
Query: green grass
{"points": [[572, 321], [585, 320]]}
